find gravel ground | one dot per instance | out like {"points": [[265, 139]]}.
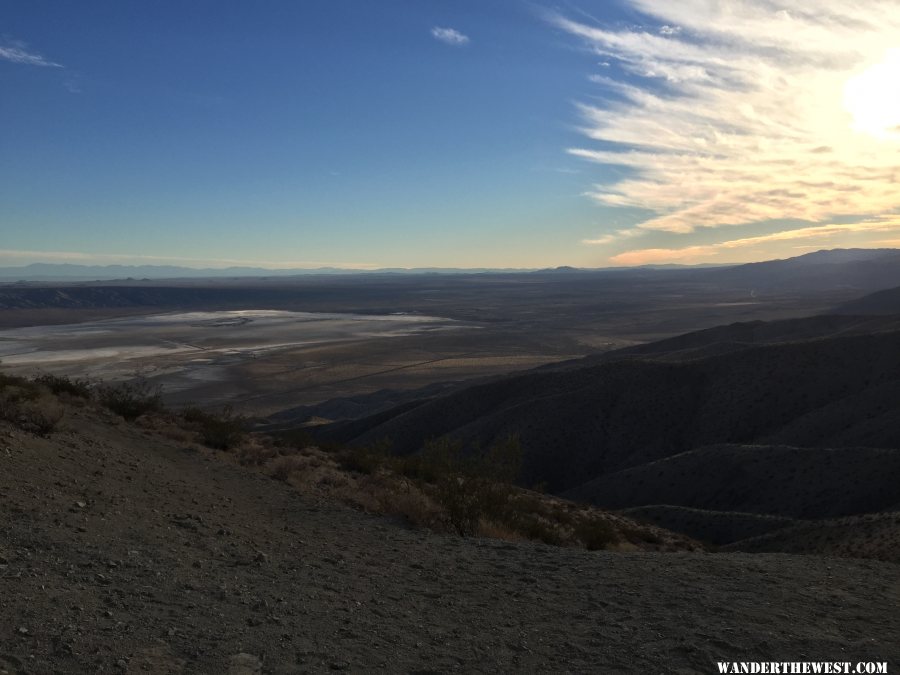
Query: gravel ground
{"points": [[122, 552]]}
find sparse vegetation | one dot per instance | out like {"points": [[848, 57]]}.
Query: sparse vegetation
{"points": [[60, 384], [446, 487], [473, 493], [224, 430], [131, 399], [29, 405]]}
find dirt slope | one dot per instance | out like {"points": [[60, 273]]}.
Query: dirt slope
{"points": [[122, 552]]}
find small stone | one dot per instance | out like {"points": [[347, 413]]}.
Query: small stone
{"points": [[244, 664], [80, 505], [261, 557], [23, 630]]}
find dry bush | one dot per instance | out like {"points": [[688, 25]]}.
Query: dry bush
{"points": [[284, 467], [255, 452], [329, 477], [40, 416], [28, 405], [131, 399], [176, 433], [596, 534], [411, 503], [224, 430], [492, 530], [362, 460], [60, 384]]}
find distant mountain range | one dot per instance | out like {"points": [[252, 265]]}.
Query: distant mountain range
{"points": [[73, 272], [863, 268]]}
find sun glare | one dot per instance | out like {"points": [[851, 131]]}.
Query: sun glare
{"points": [[873, 98]]}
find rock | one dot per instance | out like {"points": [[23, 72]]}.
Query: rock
{"points": [[23, 630], [244, 664]]}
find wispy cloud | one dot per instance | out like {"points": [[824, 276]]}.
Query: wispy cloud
{"points": [[744, 111], [612, 236], [24, 257], [449, 36], [17, 52], [820, 233]]}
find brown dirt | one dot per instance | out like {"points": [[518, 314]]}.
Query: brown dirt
{"points": [[121, 551]]}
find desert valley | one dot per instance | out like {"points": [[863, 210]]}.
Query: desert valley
{"points": [[519, 336], [281, 501]]}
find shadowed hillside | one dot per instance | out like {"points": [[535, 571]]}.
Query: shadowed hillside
{"points": [[581, 423], [799, 483], [886, 302], [741, 433], [865, 269]]}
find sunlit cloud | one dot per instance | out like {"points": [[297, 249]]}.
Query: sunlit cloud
{"points": [[740, 112], [449, 36], [17, 52], [710, 252], [612, 236], [24, 257]]}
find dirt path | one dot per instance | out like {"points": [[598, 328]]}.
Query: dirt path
{"points": [[121, 552]]}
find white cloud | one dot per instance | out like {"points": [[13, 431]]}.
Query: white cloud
{"points": [[449, 36], [739, 115], [17, 53], [618, 235], [711, 251]]}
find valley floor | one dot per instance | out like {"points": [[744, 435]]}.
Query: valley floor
{"points": [[121, 551]]}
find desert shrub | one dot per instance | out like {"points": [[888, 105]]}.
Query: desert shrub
{"points": [[255, 453], [460, 497], [596, 534], [368, 459], [15, 393], [60, 384], [284, 467], [222, 431], [492, 530], [503, 460], [410, 503], [193, 414], [538, 529], [31, 411], [641, 536], [475, 486], [131, 399], [362, 460], [41, 416], [293, 438], [13, 381]]}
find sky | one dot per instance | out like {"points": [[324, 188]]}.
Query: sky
{"points": [[454, 133]]}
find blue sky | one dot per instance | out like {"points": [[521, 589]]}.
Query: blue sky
{"points": [[422, 133]]}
